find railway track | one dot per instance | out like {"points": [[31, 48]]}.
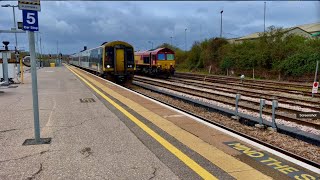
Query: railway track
{"points": [[271, 146], [270, 82], [284, 87], [226, 99], [262, 142], [314, 105]]}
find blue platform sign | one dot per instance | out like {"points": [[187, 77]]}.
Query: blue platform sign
{"points": [[30, 20]]}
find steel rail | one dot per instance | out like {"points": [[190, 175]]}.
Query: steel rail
{"points": [[311, 105], [241, 105], [246, 84]]}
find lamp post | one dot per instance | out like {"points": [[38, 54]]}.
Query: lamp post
{"points": [[221, 24], [264, 18], [15, 34], [151, 44], [185, 39], [171, 40]]}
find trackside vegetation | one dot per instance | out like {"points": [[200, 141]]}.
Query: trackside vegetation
{"points": [[274, 55]]}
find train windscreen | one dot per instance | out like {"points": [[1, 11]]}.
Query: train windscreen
{"points": [[109, 59], [170, 57], [161, 57]]}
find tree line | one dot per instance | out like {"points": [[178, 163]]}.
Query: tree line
{"points": [[274, 54]]}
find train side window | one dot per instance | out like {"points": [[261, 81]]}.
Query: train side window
{"points": [[146, 60], [99, 55]]}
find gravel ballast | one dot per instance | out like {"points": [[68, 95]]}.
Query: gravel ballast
{"points": [[285, 142]]}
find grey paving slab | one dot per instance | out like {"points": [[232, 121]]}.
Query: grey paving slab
{"points": [[88, 140]]}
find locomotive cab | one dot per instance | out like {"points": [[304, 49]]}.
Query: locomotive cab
{"points": [[158, 62]]}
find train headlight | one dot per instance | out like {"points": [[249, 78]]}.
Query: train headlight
{"points": [[108, 66], [130, 66]]}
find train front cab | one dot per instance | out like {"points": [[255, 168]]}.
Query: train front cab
{"points": [[165, 62], [119, 61]]}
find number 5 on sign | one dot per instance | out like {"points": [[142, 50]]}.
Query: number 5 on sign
{"points": [[30, 20]]}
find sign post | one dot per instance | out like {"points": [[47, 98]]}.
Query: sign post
{"points": [[315, 83], [34, 86], [315, 88], [30, 23]]}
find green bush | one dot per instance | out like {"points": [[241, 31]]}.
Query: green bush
{"points": [[274, 51]]}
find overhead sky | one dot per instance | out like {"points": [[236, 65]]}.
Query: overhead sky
{"points": [[74, 24]]}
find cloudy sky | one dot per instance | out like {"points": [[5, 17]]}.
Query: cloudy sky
{"points": [[74, 24]]}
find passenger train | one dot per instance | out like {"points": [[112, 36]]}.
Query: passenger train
{"points": [[112, 60], [156, 62]]}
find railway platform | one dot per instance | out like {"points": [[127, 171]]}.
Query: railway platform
{"points": [[100, 130]]}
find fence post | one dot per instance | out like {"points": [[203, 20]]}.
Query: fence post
{"points": [[238, 96]]}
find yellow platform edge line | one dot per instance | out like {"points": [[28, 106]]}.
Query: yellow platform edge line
{"points": [[230, 164], [180, 155]]}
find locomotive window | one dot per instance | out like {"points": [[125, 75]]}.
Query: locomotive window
{"points": [[146, 60], [170, 57], [161, 57]]}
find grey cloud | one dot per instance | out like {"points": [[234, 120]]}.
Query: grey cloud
{"points": [[76, 23]]}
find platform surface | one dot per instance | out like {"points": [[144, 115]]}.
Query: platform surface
{"points": [[118, 135], [88, 140]]}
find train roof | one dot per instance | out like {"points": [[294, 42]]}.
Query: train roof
{"points": [[154, 51], [112, 43]]}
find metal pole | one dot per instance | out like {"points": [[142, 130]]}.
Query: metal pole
{"points": [[264, 18], [5, 67], [274, 106], [171, 40], [34, 86], [185, 39], [316, 74], [221, 25], [262, 104], [57, 48], [14, 25], [237, 103], [16, 39], [21, 70]]}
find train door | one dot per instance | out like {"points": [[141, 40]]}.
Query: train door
{"points": [[120, 60]]}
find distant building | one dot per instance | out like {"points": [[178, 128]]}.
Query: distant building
{"points": [[313, 29], [307, 30]]}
